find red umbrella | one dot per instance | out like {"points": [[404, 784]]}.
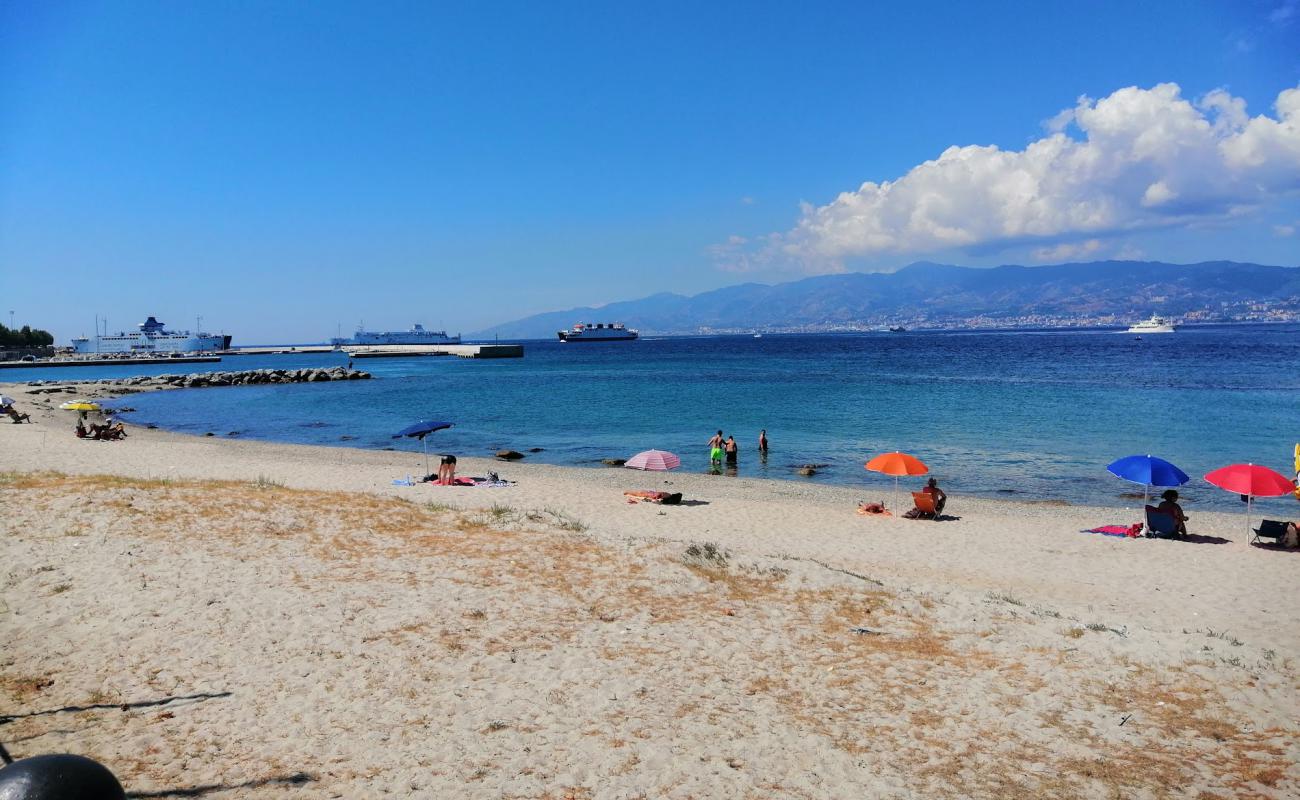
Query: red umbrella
{"points": [[897, 464], [1252, 481]]}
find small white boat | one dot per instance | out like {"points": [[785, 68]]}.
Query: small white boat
{"points": [[1156, 324]]}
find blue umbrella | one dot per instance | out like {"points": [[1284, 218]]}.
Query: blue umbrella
{"points": [[420, 430], [1148, 471]]}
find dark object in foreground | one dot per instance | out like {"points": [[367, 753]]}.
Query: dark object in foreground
{"points": [[59, 777]]}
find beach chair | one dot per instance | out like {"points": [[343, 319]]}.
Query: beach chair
{"points": [[1160, 525], [1269, 529], [924, 502]]}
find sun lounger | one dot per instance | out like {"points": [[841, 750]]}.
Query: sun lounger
{"points": [[924, 502], [1160, 525], [1269, 529]]}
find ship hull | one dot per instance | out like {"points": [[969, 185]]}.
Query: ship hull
{"points": [[144, 344], [565, 336]]}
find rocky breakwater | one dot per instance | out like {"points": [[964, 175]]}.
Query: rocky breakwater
{"points": [[194, 380]]}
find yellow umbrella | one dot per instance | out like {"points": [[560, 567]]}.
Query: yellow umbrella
{"points": [[79, 405]]}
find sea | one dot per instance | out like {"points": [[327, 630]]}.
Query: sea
{"points": [[1028, 415]]}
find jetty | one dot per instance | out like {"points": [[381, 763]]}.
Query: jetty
{"points": [[106, 362], [414, 350]]}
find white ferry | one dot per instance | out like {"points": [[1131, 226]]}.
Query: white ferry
{"points": [[598, 332], [151, 338], [1156, 324], [416, 335]]}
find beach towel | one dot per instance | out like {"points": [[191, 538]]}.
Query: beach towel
{"points": [[1124, 531]]}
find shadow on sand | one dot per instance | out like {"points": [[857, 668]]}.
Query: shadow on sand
{"points": [[297, 779], [7, 718]]}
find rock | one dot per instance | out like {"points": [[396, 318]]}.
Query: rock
{"points": [[613, 462], [509, 455], [209, 433], [808, 471], [233, 433], [536, 449]]}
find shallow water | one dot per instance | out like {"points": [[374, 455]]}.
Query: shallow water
{"points": [[1027, 415]]}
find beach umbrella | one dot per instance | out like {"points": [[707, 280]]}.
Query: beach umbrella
{"points": [[79, 405], [420, 430], [654, 461], [1148, 471], [897, 464], [1250, 480], [6, 401]]}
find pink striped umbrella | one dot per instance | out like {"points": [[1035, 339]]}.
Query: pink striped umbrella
{"points": [[653, 460]]}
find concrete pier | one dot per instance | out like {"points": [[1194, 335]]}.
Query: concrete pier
{"points": [[462, 350], [106, 362]]}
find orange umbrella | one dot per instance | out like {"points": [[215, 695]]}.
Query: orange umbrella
{"points": [[897, 464]]}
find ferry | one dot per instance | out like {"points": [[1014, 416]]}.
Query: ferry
{"points": [[1156, 324], [416, 335], [152, 337], [598, 332]]}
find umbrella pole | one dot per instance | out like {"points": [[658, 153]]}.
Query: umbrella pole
{"points": [[424, 440], [1249, 497], [896, 507]]}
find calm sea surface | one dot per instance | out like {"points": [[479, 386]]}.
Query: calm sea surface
{"points": [[1023, 415]]}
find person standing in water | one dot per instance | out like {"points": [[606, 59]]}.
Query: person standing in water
{"points": [[715, 449], [731, 450], [762, 442]]}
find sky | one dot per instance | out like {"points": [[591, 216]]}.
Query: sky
{"points": [[286, 170]]}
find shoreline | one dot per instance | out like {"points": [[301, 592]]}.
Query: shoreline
{"points": [[1046, 534], [1126, 498]]}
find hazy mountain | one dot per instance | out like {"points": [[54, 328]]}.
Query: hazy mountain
{"points": [[937, 294]]}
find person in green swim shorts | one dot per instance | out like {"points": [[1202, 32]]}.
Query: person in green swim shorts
{"points": [[715, 449]]}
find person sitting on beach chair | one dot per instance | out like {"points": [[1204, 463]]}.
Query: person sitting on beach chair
{"points": [[929, 501], [15, 416], [1170, 506]]}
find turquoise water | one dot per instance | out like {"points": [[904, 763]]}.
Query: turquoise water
{"points": [[996, 414]]}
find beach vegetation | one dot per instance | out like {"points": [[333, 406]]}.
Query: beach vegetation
{"points": [[264, 482], [705, 554], [1005, 598]]}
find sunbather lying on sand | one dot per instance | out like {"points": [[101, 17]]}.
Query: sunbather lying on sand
{"points": [[667, 498]]}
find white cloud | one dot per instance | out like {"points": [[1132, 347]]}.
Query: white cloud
{"points": [[1146, 158], [747, 201], [1284, 230]]}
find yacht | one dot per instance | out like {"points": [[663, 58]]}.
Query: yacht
{"points": [[1156, 324], [152, 338], [598, 332]]}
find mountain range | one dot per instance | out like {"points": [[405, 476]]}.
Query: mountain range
{"points": [[926, 294]]}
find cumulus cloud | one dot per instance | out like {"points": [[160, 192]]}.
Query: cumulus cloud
{"points": [[1136, 160]]}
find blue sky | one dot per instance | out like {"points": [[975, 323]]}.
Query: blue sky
{"points": [[280, 168]]}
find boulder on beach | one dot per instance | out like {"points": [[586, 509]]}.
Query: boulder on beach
{"points": [[613, 462], [807, 470], [509, 455]]}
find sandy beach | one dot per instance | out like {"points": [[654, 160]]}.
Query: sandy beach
{"points": [[245, 619]]}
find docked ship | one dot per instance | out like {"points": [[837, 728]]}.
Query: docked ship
{"points": [[598, 332], [1156, 324], [152, 338], [416, 335]]}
